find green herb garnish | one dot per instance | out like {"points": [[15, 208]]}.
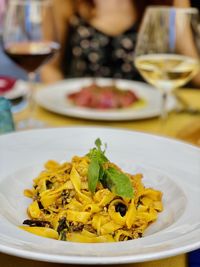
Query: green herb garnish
{"points": [[111, 178], [93, 174], [118, 183], [95, 170]]}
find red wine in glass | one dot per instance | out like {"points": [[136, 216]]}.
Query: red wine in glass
{"points": [[30, 40], [31, 55]]}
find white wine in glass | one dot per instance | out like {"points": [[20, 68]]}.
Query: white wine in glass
{"points": [[29, 40], [160, 56]]}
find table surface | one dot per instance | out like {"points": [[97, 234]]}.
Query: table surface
{"points": [[177, 125]]}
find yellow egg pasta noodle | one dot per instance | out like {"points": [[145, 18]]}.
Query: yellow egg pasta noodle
{"points": [[90, 200]]}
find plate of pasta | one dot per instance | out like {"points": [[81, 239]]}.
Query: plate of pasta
{"points": [[111, 196]]}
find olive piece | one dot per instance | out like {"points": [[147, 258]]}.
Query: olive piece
{"points": [[121, 208], [37, 223], [49, 184]]}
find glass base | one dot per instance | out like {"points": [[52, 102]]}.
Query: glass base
{"points": [[30, 124]]}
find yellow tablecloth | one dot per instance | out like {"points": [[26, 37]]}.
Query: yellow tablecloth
{"points": [[11, 261], [182, 125]]}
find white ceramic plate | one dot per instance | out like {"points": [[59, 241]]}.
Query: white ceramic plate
{"points": [[170, 166], [54, 98]]}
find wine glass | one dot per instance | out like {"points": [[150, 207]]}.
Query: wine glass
{"points": [[166, 52], [29, 40]]}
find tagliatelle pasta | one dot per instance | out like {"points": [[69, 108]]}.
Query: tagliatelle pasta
{"points": [[64, 208]]}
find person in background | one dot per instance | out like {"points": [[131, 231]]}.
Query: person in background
{"points": [[98, 37], [2, 10]]}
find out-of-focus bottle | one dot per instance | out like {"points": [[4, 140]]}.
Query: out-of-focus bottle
{"points": [[6, 119]]}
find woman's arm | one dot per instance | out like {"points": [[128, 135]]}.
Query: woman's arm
{"points": [[63, 10], [188, 47], [181, 3]]}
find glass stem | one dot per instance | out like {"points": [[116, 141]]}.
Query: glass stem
{"points": [[164, 112], [31, 101]]}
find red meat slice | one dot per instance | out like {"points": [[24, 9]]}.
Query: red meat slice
{"points": [[103, 97]]}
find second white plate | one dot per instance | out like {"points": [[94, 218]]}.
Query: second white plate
{"points": [[54, 98]]}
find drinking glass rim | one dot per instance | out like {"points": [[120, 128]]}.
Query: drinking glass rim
{"points": [[27, 2], [189, 10]]}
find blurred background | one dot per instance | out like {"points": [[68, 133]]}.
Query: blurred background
{"points": [[8, 68]]}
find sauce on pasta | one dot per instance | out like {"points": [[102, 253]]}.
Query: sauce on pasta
{"points": [[64, 208]]}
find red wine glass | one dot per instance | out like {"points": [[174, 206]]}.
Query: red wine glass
{"points": [[29, 40]]}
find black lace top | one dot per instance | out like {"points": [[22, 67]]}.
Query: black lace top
{"points": [[90, 52]]}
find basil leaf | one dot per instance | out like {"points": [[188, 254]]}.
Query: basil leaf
{"points": [[99, 155], [98, 143], [118, 183], [101, 173], [97, 152], [93, 174], [101, 158]]}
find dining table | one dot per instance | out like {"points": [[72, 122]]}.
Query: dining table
{"points": [[180, 124]]}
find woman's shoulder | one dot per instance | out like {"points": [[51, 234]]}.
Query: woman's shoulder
{"points": [[64, 7]]}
